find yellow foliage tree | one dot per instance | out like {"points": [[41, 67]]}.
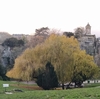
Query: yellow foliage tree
{"points": [[82, 67], [64, 53], [23, 68]]}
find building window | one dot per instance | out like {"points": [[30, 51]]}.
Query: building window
{"points": [[86, 43], [90, 39]]}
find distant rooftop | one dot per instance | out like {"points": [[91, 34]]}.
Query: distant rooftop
{"points": [[19, 34]]}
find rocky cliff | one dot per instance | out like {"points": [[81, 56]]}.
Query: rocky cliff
{"points": [[7, 54]]}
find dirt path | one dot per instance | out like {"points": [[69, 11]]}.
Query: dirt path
{"points": [[27, 87], [25, 82]]}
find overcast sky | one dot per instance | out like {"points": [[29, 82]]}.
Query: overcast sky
{"points": [[24, 16]]}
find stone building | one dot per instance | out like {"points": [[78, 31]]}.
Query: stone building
{"points": [[88, 29], [88, 41], [98, 45]]}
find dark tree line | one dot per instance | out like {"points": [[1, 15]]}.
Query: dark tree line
{"points": [[3, 73], [13, 42]]}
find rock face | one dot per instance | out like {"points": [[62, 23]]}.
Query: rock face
{"points": [[7, 54], [7, 57], [4, 51]]}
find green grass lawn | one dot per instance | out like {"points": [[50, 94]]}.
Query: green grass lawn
{"points": [[78, 93], [11, 87], [92, 85]]}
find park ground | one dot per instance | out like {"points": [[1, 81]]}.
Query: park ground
{"points": [[30, 90]]}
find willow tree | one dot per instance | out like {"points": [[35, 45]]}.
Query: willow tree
{"points": [[61, 51], [23, 68], [82, 68]]}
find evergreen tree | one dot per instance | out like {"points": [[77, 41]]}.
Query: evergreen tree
{"points": [[48, 79]]}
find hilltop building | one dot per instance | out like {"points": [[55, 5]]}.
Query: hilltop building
{"points": [[88, 41]]}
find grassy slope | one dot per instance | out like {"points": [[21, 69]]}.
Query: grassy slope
{"points": [[82, 93]]}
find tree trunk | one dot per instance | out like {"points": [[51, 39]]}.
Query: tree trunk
{"points": [[68, 86], [63, 86]]}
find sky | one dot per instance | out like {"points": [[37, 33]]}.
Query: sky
{"points": [[24, 16]]}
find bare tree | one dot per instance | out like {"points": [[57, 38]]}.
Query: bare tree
{"points": [[40, 36], [79, 32]]}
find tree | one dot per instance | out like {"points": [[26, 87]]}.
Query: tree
{"points": [[13, 42], [97, 75], [23, 68], [60, 52], [63, 52], [79, 32], [68, 34], [83, 68], [48, 78], [56, 49], [20, 43], [3, 73], [40, 36], [44, 31]]}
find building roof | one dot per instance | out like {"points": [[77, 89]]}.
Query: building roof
{"points": [[88, 25]]}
